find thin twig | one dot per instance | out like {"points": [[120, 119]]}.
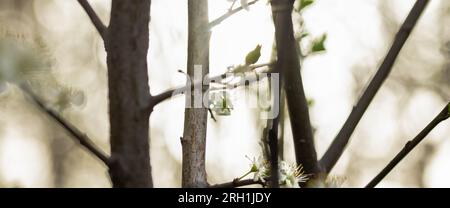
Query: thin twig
{"points": [[228, 14], [101, 28], [82, 138], [238, 183], [338, 145], [410, 145], [232, 5], [156, 99], [212, 115]]}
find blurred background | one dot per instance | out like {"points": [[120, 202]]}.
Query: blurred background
{"points": [[52, 44]]}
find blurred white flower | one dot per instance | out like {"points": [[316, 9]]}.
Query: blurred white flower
{"points": [[220, 103], [261, 169], [290, 175]]}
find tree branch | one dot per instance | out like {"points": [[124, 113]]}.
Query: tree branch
{"points": [[156, 99], [82, 138], [232, 5], [237, 183], [410, 145], [101, 28], [196, 117], [282, 125], [272, 130], [338, 145], [228, 14], [273, 148], [128, 91], [288, 64]]}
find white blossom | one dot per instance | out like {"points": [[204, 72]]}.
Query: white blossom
{"points": [[220, 103], [261, 169], [290, 174]]}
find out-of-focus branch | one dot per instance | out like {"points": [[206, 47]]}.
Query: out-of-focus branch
{"points": [[101, 28], [410, 145], [82, 138], [238, 183], [228, 14], [338, 145]]}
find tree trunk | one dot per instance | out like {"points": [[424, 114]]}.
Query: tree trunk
{"points": [[126, 44], [289, 64], [196, 114]]}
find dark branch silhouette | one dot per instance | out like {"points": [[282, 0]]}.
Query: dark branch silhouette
{"points": [[82, 138], [238, 183], [228, 14], [410, 145], [338, 145], [128, 89], [101, 28], [273, 147], [288, 64]]}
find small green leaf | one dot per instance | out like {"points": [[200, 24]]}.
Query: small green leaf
{"points": [[448, 109], [318, 45], [310, 102], [305, 3], [253, 56]]}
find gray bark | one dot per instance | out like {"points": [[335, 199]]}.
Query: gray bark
{"points": [[195, 121], [126, 44]]}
